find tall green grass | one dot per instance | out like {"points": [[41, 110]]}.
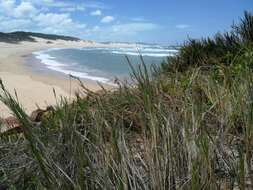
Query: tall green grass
{"points": [[185, 128]]}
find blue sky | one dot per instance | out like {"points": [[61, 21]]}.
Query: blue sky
{"points": [[155, 21]]}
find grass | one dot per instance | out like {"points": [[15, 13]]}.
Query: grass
{"points": [[187, 125]]}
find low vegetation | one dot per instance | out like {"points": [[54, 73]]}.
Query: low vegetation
{"points": [[16, 37], [186, 126]]}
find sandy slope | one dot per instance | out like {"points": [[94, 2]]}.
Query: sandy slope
{"points": [[33, 88]]}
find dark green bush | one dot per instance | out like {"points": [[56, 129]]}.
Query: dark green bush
{"points": [[222, 49]]}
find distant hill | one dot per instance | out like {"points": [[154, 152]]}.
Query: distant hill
{"points": [[15, 37]]}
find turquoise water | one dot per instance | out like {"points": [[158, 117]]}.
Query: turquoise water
{"points": [[100, 64]]}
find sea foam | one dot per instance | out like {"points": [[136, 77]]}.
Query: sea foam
{"points": [[90, 71], [52, 64], [145, 51], [143, 54]]}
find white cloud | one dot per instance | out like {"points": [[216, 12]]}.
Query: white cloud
{"points": [[57, 23], [9, 25], [6, 6], [96, 13], [32, 15], [182, 26], [68, 4], [96, 28], [92, 31], [68, 9], [9, 8], [72, 9], [62, 6], [25, 9], [48, 3], [50, 19], [127, 31], [55, 16], [133, 28], [107, 19]]}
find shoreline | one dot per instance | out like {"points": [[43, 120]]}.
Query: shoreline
{"points": [[49, 65], [36, 89]]}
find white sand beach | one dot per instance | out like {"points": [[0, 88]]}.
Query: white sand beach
{"points": [[36, 90]]}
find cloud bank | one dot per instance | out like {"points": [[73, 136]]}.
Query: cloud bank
{"points": [[88, 20]]}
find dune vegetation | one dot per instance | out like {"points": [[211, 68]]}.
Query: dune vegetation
{"points": [[187, 124], [19, 36]]}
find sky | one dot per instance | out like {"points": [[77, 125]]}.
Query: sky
{"points": [[153, 21]]}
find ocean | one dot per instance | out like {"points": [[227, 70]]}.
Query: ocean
{"points": [[100, 64]]}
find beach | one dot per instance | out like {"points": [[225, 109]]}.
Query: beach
{"points": [[36, 90]]}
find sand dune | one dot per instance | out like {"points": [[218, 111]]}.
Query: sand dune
{"points": [[34, 89]]}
